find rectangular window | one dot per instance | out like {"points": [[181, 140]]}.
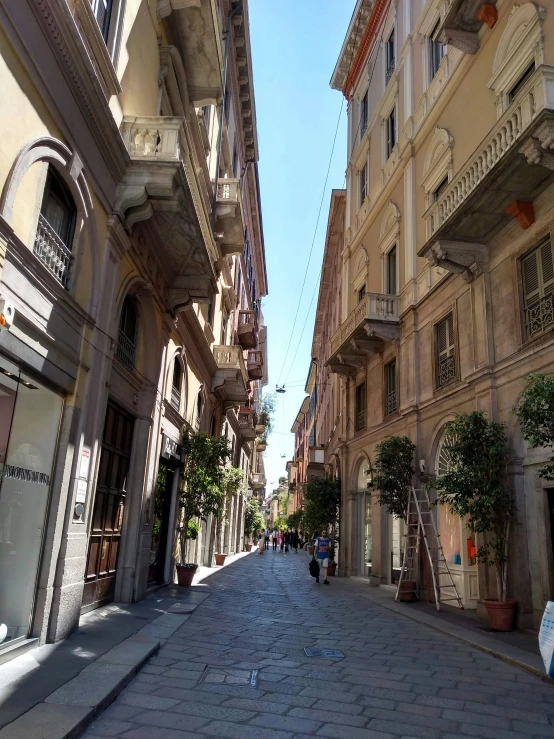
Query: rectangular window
{"points": [[391, 132], [446, 357], [391, 271], [102, 10], [437, 192], [363, 184], [390, 61], [361, 294], [537, 272], [436, 52], [206, 110], [235, 158], [521, 81], [360, 407], [364, 114], [390, 387]]}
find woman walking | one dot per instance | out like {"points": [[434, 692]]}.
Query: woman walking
{"points": [[294, 541], [280, 541]]}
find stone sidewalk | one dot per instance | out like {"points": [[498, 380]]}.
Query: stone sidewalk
{"points": [[237, 669]]}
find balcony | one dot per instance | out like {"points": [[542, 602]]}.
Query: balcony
{"points": [[195, 27], [52, 251], [158, 188], [257, 480], [375, 320], [229, 217], [247, 423], [126, 350], [230, 383], [514, 164], [248, 329], [254, 365], [461, 23]]}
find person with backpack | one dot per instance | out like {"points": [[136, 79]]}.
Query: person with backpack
{"points": [[322, 544]]}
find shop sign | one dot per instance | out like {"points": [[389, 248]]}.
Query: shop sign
{"points": [[10, 471], [85, 462], [170, 449], [81, 494]]}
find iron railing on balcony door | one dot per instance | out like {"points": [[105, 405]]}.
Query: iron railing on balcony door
{"points": [[126, 349], [52, 252]]}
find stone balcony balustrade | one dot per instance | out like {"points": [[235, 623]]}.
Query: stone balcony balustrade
{"points": [[376, 319], [230, 383], [513, 165], [257, 480], [247, 330], [229, 217], [160, 187], [247, 423], [254, 364]]}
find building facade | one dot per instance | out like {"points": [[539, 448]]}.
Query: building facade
{"points": [[446, 266], [132, 270]]}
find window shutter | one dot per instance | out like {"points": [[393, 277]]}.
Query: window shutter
{"points": [[547, 268], [530, 273], [445, 337]]}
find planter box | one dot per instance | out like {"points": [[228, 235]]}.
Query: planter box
{"points": [[220, 559], [185, 574]]}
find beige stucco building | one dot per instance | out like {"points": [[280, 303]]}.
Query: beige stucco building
{"points": [[132, 270], [445, 278]]}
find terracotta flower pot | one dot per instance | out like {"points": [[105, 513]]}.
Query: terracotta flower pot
{"points": [[185, 574], [332, 569], [501, 614], [220, 559], [407, 592], [248, 547]]}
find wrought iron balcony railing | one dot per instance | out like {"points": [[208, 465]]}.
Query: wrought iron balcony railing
{"points": [[539, 317], [446, 370], [52, 252], [126, 349], [390, 402]]}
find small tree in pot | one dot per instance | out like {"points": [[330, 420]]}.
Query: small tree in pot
{"points": [[393, 473], [476, 489], [232, 483], [536, 416], [321, 511], [253, 519], [201, 493]]}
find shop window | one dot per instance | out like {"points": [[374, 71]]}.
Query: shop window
{"points": [[390, 132], [360, 407], [445, 349], [128, 332], [436, 52], [363, 184], [537, 272], [176, 384], [390, 388], [56, 226], [102, 10], [390, 60], [390, 266]]}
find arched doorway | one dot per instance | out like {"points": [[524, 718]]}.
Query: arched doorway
{"points": [[458, 542]]}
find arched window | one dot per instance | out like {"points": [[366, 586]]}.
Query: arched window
{"points": [[56, 226], [176, 384], [128, 333]]}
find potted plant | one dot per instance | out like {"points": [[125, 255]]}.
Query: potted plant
{"points": [[476, 489], [200, 491], [322, 501], [393, 478], [261, 442], [232, 482], [253, 519]]}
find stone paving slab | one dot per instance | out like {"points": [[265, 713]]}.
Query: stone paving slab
{"points": [[399, 678]]}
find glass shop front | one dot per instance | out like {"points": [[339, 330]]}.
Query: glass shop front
{"points": [[29, 424]]}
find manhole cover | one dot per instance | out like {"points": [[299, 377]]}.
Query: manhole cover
{"points": [[229, 676], [327, 653]]}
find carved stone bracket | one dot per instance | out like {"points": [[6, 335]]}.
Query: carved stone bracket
{"points": [[459, 257], [523, 211], [465, 41], [165, 7], [535, 154]]}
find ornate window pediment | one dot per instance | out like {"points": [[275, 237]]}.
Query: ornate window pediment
{"points": [[438, 163], [521, 45]]}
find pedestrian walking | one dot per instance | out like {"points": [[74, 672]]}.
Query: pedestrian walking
{"points": [[261, 544], [266, 539], [322, 545], [287, 541], [274, 540], [295, 540], [281, 541]]}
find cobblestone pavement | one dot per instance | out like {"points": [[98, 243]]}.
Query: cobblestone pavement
{"points": [[397, 678]]}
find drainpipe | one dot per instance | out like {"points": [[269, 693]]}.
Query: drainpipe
{"points": [[237, 6]]}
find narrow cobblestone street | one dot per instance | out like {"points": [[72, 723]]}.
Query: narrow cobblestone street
{"points": [[397, 678]]}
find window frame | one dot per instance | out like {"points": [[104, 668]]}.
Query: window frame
{"points": [[390, 371], [390, 133], [391, 273], [362, 183], [364, 113], [360, 413], [544, 294], [449, 316], [433, 59], [390, 56]]}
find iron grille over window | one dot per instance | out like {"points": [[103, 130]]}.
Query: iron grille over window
{"points": [[391, 132], [436, 52], [364, 114], [390, 61], [360, 407], [56, 225], [446, 357], [390, 387], [102, 10], [537, 272], [127, 338]]}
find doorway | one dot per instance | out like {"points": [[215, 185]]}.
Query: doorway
{"points": [[160, 524], [109, 506]]}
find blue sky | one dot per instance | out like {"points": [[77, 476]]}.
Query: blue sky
{"points": [[295, 45]]}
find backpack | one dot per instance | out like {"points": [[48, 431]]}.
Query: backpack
{"points": [[314, 568]]}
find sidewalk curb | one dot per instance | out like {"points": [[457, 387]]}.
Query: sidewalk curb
{"points": [[69, 710], [511, 655]]}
